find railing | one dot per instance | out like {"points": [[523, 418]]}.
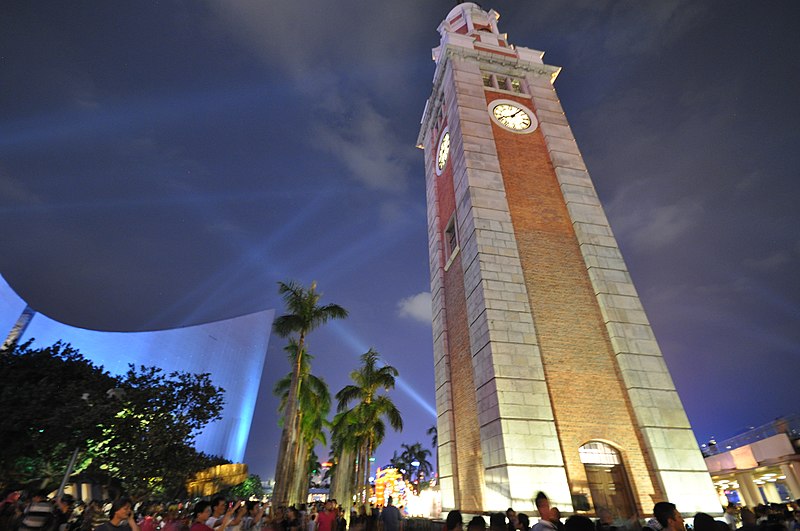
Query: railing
{"points": [[790, 425]]}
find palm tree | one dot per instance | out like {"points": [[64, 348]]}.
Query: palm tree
{"points": [[417, 459], [345, 441], [366, 416], [315, 404], [434, 433], [305, 314], [398, 462]]}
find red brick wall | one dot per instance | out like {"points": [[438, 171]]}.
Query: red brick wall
{"points": [[589, 401]]}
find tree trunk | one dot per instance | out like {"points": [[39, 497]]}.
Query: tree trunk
{"points": [[286, 450], [301, 477], [342, 482], [367, 469], [298, 459], [363, 480]]}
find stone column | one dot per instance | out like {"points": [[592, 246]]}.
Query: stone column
{"points": [[748, 489], [790, 471], [771, 490]]}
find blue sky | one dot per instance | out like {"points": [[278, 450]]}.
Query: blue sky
{"points": [[167, 163]]}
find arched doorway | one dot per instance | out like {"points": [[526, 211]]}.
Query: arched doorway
{"points": [[608, 481]]}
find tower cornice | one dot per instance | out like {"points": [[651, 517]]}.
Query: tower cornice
{"points": [[499, 63]]}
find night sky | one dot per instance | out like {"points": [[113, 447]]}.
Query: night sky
{"points": [[166, 163]]}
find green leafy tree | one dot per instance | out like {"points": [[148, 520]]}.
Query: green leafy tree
{"points": [[366, 417], [137, 428], [305, 314], [52, 401], [250, 487], [148, 442]]}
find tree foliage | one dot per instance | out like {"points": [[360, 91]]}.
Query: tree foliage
{"points": [[363, 424], [138, 427], [304, 315], [314, 406], [47, 400], [250, 487]]}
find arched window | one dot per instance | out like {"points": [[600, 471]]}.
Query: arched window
{"points": [[608, 481]]}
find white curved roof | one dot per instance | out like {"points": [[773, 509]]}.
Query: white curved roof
{"points": [[233, 351]]}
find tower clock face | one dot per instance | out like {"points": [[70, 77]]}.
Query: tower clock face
{"points": [[513, 116], [444, 152]]}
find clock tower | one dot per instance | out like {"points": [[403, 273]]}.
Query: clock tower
{"points": [[548, 375]]}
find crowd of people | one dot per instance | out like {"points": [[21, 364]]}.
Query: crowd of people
{"points": [[38, 513], [665, 517]]}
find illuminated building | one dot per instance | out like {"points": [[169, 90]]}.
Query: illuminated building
{"points": [[759, 466], [231, 350], [548, 374]]}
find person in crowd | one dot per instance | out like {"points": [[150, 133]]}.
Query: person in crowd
{"points": [[704, 522], [120, 517], [358, 521], [202, 515], [239, 512], [293, 522], [476, 524], [252, 520], [730, 516], [10, 510], [748, 520], [605, 520], [63, 512], [341, 521], [326, 519], [511, 516], [217, 510], [795, 523], [762, 513], [148, 522], [523, 522], [545, 514], [497, 522], [274, 519], [556, 518], [93, 516], [372, 521], [38, 514], [171, 522], [454, 521], [579, 522], [668, 517], [390, 516]]}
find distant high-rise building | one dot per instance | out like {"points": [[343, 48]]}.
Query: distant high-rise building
{"points": [[548, 374]]}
